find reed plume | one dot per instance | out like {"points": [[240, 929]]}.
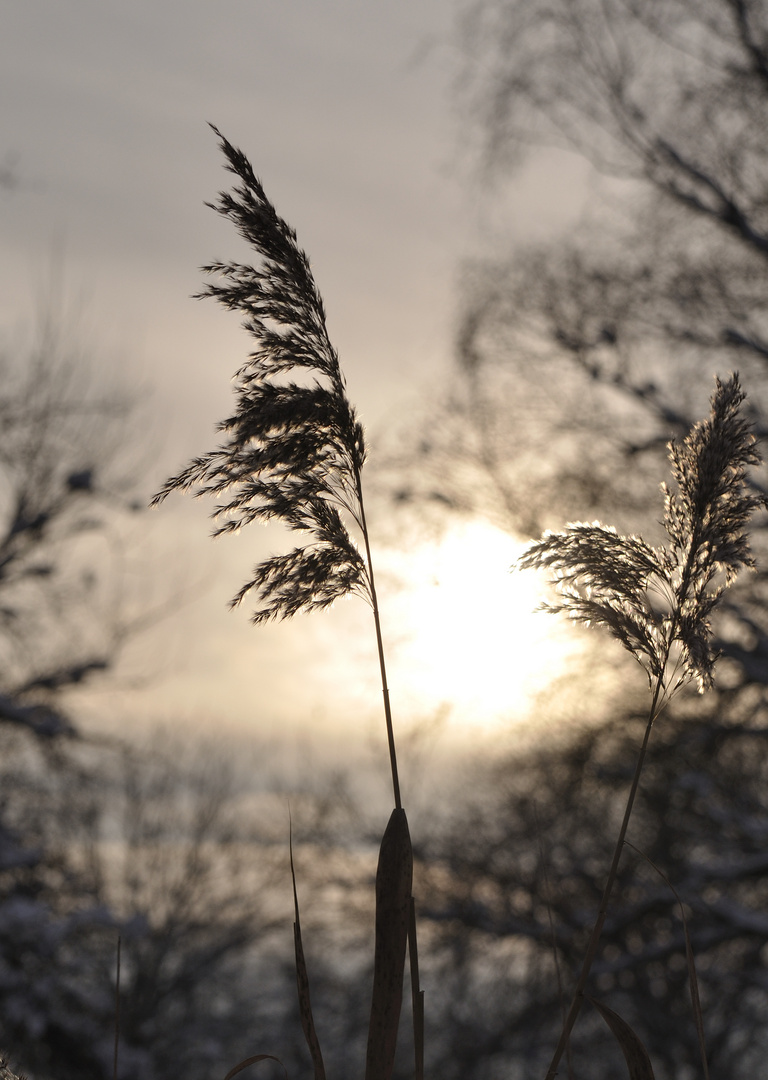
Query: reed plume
{"points": [[657, 601], [293, 451]]}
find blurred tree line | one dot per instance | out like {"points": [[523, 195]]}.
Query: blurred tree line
{"points": [[101, 838], [576, 362]]}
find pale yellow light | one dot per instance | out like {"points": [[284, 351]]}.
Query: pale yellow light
{"points": [[467, 631]]}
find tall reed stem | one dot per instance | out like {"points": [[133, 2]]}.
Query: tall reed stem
{"points": [[658, 701], [380, 647], [597, 929]]}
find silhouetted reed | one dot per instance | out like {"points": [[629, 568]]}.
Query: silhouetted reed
{"points": [[294, 451], [657, 601]]}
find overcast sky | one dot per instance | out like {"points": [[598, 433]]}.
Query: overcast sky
{"points": [[345, 109]]}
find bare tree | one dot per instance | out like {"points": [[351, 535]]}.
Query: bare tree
{"points": [[67, 478], [604, 340], [158, 844], [518, 867], [578, 360], [61, 442], [96, 841]]}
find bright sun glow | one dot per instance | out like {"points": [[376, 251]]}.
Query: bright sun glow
{"points": [[468, 632]]}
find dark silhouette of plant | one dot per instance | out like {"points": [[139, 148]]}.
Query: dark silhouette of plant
{"points": [[294, 451], [654, 599], [657, 601]]}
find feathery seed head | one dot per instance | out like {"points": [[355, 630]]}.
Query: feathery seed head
{"points": [[293, 450], [658, 601]]}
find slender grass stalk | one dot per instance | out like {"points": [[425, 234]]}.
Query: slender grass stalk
{"points": [[658, 601], [293, 451], [594, 939], [380, 648]]}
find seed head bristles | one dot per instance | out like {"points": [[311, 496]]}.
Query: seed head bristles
{"points": [[603, 580], [292, 451], [657, 601]]}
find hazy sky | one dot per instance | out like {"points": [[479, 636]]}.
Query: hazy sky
{"points": [[345, 109]]}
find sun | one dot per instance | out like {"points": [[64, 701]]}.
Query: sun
{"points": [[468, 634]]}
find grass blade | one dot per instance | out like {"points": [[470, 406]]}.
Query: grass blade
{"points": [[394, 877], [302, 985], [417, 994], [635, 1054], [252, 1061]]}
